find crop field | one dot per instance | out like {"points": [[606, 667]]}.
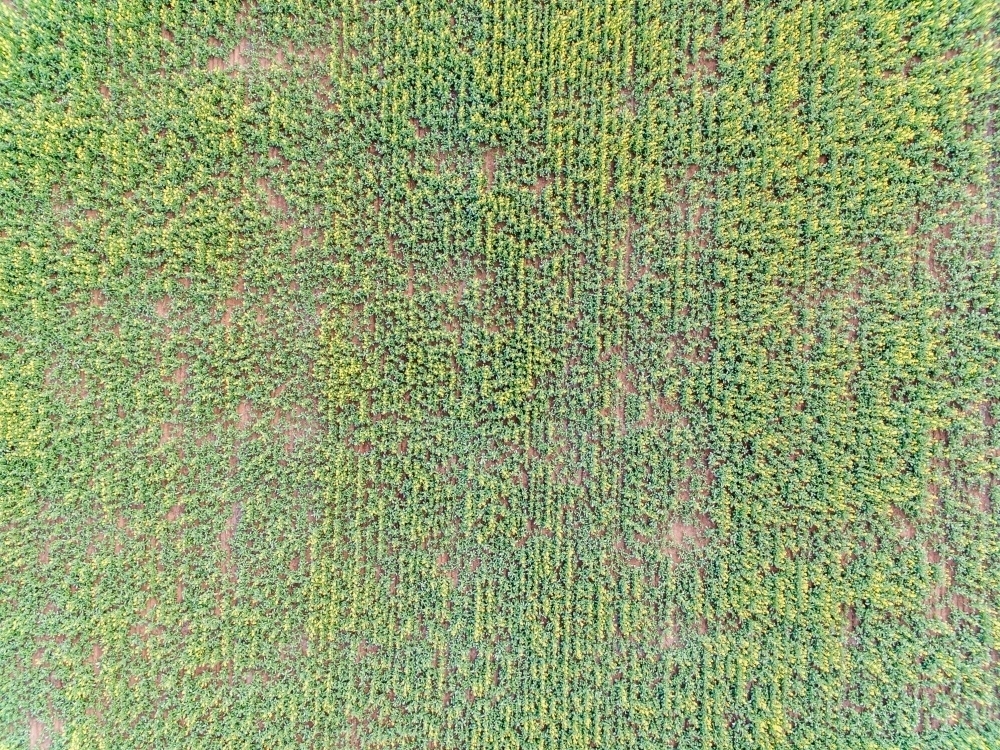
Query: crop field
{"points": [[499, 374]]}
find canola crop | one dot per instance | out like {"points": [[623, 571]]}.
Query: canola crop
{"points": [[499, 374]]}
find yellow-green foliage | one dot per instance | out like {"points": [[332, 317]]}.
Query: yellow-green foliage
{"points": [[499, 374]]}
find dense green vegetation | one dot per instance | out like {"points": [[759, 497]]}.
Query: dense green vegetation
{"points": [[498, 374]]}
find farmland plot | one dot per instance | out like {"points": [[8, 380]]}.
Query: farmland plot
{"points": [[491, 375]]}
